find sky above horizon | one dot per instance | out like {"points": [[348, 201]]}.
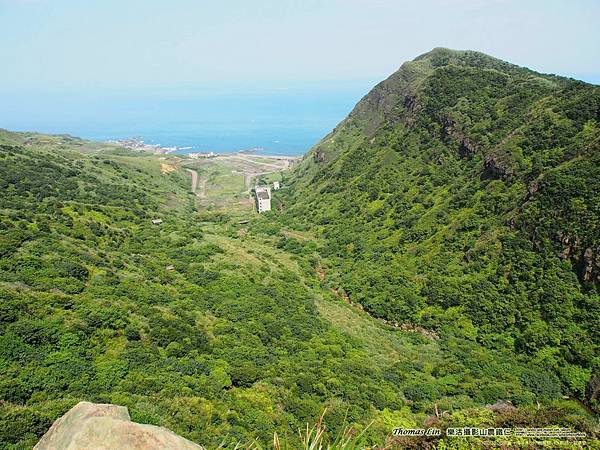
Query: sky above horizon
{"points": [[73, 45], [232, 74]]}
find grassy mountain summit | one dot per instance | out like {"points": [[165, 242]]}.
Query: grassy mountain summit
{"points": [[461, 195]]}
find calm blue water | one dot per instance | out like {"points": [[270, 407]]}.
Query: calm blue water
{"points": [[284, 121]]}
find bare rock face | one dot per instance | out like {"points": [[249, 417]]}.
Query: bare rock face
{"points": [[591, 265], [319, 155], [592, 389], [495, 168], [108, 427], [501, 406], [451, 130]]}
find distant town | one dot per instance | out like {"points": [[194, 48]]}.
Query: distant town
{"points": [[138, 144]]}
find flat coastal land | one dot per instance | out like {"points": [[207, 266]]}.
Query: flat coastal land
{"points": [[223, 181]]}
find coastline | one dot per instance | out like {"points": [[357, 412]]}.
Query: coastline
{"points": [[138, 144]]}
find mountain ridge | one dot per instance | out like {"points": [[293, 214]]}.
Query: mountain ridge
{"points": [[401, 87], [463, 181]]}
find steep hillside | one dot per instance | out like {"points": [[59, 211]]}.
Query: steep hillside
{"points": [[194, 324], [462, 195]]}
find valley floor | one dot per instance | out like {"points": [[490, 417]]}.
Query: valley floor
{"points": [[220, 189]]}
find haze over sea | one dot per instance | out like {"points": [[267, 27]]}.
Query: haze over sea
{"points": [[279, 120]]}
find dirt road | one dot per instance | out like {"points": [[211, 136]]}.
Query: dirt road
{"points": [[194, 179], [249, 176], [198, 184]]}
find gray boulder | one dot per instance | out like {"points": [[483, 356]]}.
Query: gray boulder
{"points": [[108, 427]]}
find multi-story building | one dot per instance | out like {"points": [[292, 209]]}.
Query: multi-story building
{"points": [[263, 198]]}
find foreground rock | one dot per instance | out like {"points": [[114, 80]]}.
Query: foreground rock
{"points": [[107, 427]]}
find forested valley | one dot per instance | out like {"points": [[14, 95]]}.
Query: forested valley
{"points": [[434, 261]]}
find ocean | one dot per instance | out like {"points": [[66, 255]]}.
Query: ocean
{"points": [[271, 120]]}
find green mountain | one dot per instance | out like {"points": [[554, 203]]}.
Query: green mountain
{"points": [[432, 262], [461, 195]]}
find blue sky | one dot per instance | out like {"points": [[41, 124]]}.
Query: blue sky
{"points": [[230, 74], [93, 45]]}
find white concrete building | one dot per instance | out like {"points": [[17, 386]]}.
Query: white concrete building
{"points": [[263, 198], [275, 185]]}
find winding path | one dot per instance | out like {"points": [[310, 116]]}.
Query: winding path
{"points": [[194, 179], [201, 193]]}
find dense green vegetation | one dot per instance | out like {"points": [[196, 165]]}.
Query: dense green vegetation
{"points": [[461, 195], [435, 254], [191, 324]]}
